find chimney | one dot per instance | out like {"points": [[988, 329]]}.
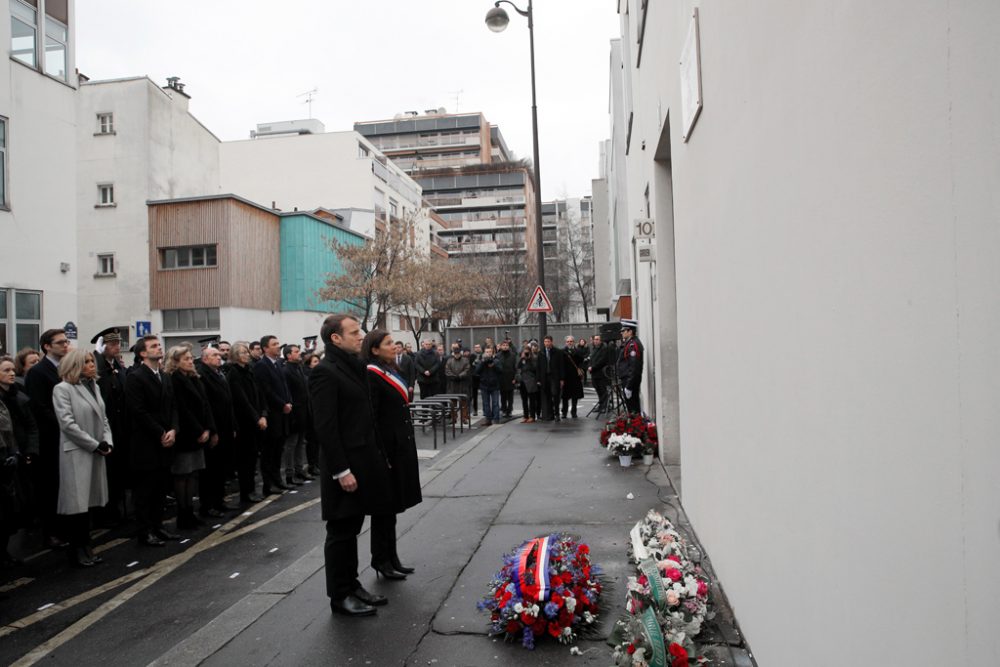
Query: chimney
{"points": [[175, 89]]}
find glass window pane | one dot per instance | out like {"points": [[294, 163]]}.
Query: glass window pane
{"points": [[211, 259], [27, 335], [170, 320], [213, 318], [28, 306], [3, 338], [199, 318], [58, 9], [22, 40], [184, 318], [184, 257], [55, 58], [197, 257], [3, 304]]}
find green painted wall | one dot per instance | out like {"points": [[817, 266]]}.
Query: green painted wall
{"points": [[307, 259]]}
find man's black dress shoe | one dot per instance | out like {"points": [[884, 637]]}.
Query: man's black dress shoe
{"points": [[351, 606], [212, 512], [251, 499], [166, 534], [369, 598], [78, 557], [151, 540]]}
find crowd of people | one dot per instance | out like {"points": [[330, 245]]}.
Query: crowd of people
{"points": [[83, 437]]}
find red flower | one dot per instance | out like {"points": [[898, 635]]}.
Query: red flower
{"points": [[539, 627], [673, 574], [527, 619], [630, 649], [583, 549], [680, 655], [702, 589], [555, 630], [512, 627], [557, 599]]}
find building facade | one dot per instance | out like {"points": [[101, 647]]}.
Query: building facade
{"points": [[568, 236], [137, 141], [38, 265], [820, 314]]}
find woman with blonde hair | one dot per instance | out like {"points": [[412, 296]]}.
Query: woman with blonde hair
{"points": [[196, 431], [84, 441]]}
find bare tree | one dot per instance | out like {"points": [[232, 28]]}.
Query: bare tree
{"points": [[577, 257], [503, 286]]}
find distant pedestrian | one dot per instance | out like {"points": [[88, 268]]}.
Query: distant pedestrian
{"points": [[550, 374], [507, 362], [572, 376], [527, 382], [250, 409], [488, 372], [196, 428], [427, 364]]}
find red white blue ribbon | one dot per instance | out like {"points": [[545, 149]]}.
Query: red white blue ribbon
{"points": [[531, 578], [396, 383]]}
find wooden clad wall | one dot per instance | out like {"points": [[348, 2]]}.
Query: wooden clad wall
{"points": [[247, 241]]}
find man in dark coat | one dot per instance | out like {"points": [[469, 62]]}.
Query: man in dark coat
{"points": [[600, 357], [271, 382], [630, 363], [550, 374], [474, 359], [428, 364], [572, 390], [507, 362], [111, 382], [355, 474], [295, 446], [406, 366], [220, 451], [39, 383], [153, 424]]}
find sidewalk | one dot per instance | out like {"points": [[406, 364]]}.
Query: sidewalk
{"points": [[503, 485]]}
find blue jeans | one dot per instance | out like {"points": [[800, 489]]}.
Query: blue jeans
{"points": [[491, 404]]}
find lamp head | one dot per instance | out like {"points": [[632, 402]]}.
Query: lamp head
{"points": [[497, 19]]}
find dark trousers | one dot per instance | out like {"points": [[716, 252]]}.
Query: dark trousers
{"points": [[212, 480], [247, 450], [45, 478], [270, 456], [601, 386], [149, 493], [340, 551], [428, 389], [383, 536], [529, 403], [506, 399], [550, 399], [75, 529], [632, 404], [566, 404], [474, 392]]}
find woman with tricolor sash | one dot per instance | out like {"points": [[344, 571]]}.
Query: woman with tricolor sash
{"points": [[394, 429]]}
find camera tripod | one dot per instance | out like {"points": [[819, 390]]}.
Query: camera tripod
{"points": [[614, 401]]}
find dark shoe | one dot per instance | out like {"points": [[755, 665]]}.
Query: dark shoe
{"points": [[151, 540], [212, 513], [399, 567], [291, 481], [282, 487], [304, 476], [386, 570], [166, 534], [369, 598], [78, 557], [487, 423], [314, 471], [53, 542], [7, 561], [188, 521], [351, 606], [92, 556], [251, 499]]}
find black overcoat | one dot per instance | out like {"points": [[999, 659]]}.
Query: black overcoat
{"points": [[274, 389], [152, 411], [299, 391], [550, 371], [39, 382], [193, 412], [345, 429], [220, 400], [248, 403], [574, 359], [394, 429]]}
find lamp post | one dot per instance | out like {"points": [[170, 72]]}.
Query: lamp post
{"points": [[497, 21]]}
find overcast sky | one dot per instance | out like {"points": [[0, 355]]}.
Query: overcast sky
{"points": [[248, 61]]}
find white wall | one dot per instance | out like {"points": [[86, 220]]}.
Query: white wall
{"points": [[158, 151], [836, 230], [39, 231]]}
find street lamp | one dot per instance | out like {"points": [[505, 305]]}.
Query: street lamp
{"points": [[497, 21]]}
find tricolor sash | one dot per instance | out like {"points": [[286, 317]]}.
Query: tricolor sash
{"points": [[531, 570], [393, 381]]}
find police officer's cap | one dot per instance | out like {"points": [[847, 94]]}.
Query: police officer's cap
{"points": [[630, 324], [110, 335]]}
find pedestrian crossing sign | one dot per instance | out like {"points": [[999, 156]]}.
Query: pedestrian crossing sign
{"points": [[539, 302]]}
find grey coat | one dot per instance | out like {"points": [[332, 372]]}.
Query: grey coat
{"points": [[83, 424]]}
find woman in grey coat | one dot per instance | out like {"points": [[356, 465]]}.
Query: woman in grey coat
{"points": [[84, 441]]}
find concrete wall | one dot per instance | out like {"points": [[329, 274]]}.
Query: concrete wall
{"points": [[158, 151], [38, 233], [836, 233]]}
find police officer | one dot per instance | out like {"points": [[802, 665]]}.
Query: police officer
{"points": [[111, 383], [630, 362]]}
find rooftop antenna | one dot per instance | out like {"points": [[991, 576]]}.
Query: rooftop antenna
{"points": [[458, 96], [310, 95]]}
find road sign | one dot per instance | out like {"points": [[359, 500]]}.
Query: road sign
{"points": [[645, 228], [70, 330], [539, 302], [143, 328]]}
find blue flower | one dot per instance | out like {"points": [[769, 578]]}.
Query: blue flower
{"points": [[551, 610], [529, 639]]}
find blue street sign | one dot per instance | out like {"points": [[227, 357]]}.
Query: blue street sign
{"points": [[70, 329], [143, 328]]}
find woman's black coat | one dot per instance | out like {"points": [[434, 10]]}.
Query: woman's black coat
{"points": [[248, 404], [345, 430], [193, 411], [394, 429]]}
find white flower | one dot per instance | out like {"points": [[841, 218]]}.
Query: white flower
{"points": [[570, 604], [679, 587], [519, 608], [588, 617], [535, 609]]}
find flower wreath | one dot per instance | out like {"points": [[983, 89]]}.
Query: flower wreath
{"points": [[636, 426], [547, 586]]}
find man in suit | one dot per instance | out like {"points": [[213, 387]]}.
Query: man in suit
{"points": [[153, 422], [427, 363], [39, 383], [220, 452], [600, 357], [507, 361], [111, 382], [271, 381], [404, 362], [355, 477], [550, 374], [294, 459]]}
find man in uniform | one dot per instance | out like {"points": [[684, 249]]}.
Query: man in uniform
{"points": [[630, 363], [111, 383]]}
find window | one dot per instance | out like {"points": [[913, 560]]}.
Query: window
{"points": [[105, 123], [363, 151], [56, 38], [393, 208], [3, 163], [24, 328], [185, 319], [106, 194], [189, 257], [23, 31], [106, 264]]}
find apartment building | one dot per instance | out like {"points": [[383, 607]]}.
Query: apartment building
{"points": [[38, 263], [568, 234]]}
